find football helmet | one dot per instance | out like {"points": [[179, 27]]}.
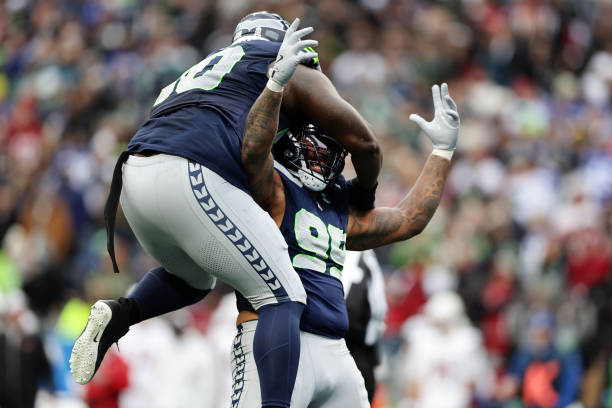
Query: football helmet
{"points": [[264, 24], [313, 157], [269, 26]]}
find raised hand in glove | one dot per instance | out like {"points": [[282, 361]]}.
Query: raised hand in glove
{"points": [[443, 130], [290, 55]]}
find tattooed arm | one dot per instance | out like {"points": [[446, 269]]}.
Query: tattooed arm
{"points": [[261, 125], [382, 226]]}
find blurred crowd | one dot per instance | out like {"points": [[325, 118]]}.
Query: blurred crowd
{"points": [[505, 300]]}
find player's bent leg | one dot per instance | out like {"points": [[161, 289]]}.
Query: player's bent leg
{"points": [[160, 292]]}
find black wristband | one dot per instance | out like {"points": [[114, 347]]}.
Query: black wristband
{"points": [[359, 197]]}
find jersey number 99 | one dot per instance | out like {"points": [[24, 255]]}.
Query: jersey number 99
{"points": [[323, 242]]}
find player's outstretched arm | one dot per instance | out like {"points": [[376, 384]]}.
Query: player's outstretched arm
{"points": [[262, 120], [382, 226], [310, 95]]}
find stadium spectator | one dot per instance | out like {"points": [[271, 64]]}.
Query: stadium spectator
{"points": [[539, 373], [24, 367], [445, 363]]}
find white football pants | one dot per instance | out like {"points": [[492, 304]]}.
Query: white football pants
{"points": [[327, 375], [200, 227]]}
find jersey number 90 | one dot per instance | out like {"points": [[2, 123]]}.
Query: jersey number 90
{"points": [[206, 74]]}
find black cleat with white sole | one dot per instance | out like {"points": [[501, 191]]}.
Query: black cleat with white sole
{"points": [[108, 322]]}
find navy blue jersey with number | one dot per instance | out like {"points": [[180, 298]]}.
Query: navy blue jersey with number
{"points": [[314, 227], [201, 116]]}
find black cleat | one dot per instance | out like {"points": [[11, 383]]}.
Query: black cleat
{"points": [[108, 322]]}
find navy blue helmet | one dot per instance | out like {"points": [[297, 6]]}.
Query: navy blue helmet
{"points": [[264, 24], [313, 157], [269, 26]]}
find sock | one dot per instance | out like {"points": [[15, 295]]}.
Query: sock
{"points": [[160, 292], [276, 348], [133, 310]]}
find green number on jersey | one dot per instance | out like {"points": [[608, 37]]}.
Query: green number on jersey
{"points": [[322, 242], [337, 251], [196, 78]]}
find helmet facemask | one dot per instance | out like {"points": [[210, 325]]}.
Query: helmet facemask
{"points": [[314, 158]]}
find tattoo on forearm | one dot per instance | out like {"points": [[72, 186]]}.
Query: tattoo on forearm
{"points": [[383, 226], [261, 126], [421, 203]]}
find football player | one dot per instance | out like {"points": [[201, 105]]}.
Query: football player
{"points": [[297, 181], [186, 196]]}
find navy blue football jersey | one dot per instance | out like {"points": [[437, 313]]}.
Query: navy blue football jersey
{"points": [[201, 116], [314, 227]]}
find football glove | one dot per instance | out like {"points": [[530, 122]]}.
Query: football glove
{"points": [[290, 55], [443, 130]]}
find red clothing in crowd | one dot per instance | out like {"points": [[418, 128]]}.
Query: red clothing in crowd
{"points": [[111, 379]]}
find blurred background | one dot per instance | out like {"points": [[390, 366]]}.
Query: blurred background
{"points": [[505, 300]]}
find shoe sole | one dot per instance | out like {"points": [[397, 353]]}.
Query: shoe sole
{"points": [[85, 350]]}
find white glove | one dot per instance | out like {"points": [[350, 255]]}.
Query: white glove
{"points": [[443, 130], [290, 55]]}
